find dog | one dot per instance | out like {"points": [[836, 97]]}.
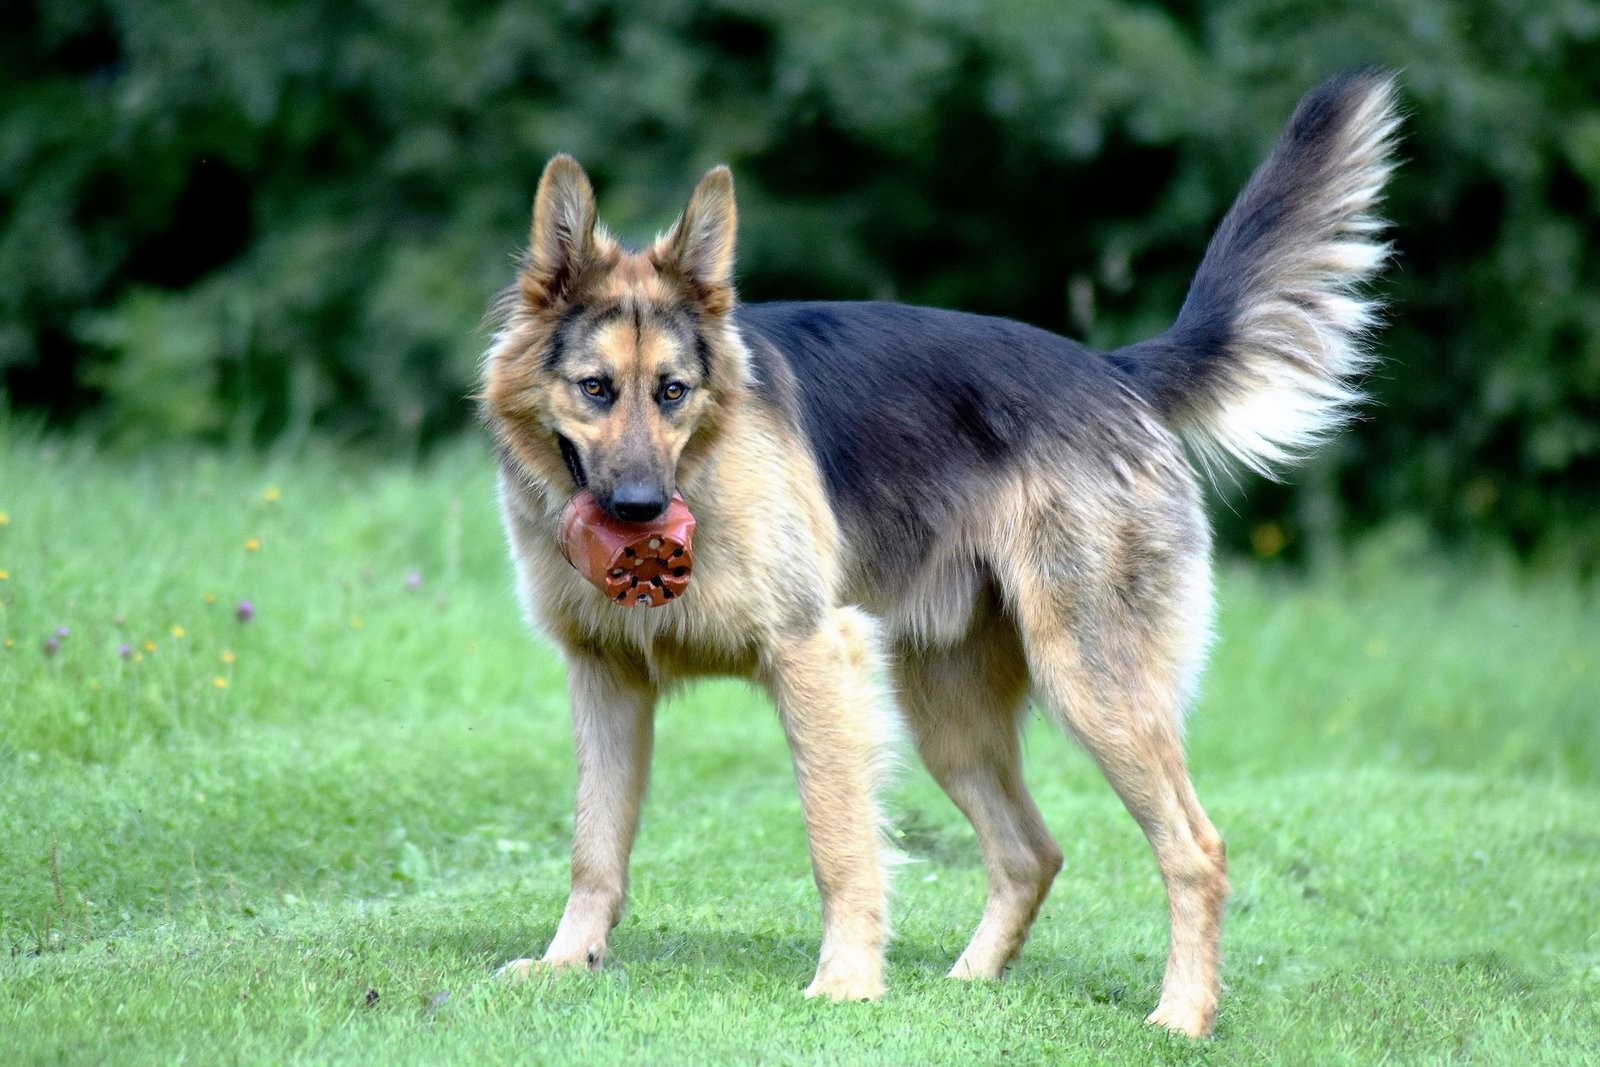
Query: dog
{"points": [[977, 510]]}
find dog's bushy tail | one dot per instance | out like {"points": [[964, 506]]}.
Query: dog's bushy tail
{"points": [[1265, 359]]}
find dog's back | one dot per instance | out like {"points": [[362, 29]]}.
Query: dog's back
{"points": [[915, 414]]}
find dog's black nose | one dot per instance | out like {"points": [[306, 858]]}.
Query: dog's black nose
{"points": [[637, 501]]}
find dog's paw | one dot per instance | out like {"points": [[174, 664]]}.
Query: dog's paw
{"points": [[1191, 1020], [518, 970], [974, 968], [846, 986]]}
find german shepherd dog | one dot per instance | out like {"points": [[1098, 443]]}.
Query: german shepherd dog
{"points": [[979, 511]]}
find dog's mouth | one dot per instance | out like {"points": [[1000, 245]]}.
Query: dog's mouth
{"points": [[569, 453]]}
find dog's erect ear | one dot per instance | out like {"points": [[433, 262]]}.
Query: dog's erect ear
{"points": [[561, 243], [699, 249]]}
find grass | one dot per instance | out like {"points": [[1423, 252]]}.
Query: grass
{"points": [[310, 836]]}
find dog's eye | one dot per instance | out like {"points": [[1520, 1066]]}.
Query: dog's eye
{"points": [[674, 391], [593, 387]]}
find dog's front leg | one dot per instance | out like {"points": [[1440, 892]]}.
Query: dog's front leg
{"points": [[824, 690], [613, 709]]}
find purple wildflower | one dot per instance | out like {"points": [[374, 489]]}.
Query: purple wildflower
{"points": [[413, 579], [51, 643], [245, 611], [62, 631], [124, 650]]}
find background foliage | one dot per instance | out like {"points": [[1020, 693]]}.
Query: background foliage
{"points": [[266, 220]]}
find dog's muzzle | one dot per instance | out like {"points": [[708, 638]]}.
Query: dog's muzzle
{"points": [[636, 564]]}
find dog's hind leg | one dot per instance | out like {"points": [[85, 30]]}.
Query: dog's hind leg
{"points": [[963, 706], [613, 706], [828, 703], [1109, 661]]}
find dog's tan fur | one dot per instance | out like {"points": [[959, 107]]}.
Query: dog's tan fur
{"points": [[1070, 562]]}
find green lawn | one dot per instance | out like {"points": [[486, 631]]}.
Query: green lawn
{"points": [[312, 835]]}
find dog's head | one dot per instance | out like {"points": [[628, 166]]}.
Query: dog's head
{"points": [[610, 367]]}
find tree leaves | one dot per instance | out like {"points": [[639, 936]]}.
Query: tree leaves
{"points": [[1061, 164]]}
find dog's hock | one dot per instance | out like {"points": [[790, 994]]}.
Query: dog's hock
{"points": [[635, 564]]}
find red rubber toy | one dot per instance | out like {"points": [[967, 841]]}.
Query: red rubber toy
{"points": [[636, 564]]}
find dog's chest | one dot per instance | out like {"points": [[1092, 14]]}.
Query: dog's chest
{"points": [[759, 578], [720, 625]]}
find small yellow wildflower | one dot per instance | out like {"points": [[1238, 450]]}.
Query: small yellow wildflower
{"points": [[356, 622], [210, 598], [178, 631], [1267, 540], [227, 655], [9, 643], [5, 520], [252, 544], [149, 646], [270, 494], [4, 575], [220, 682], [138, 657]]}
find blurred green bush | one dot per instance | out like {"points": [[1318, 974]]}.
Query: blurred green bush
{"points": [[255, 220]]}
